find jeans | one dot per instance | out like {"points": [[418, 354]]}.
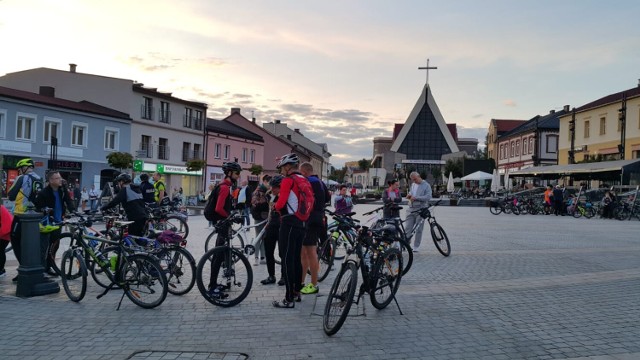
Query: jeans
{"points": [[412, 218]]}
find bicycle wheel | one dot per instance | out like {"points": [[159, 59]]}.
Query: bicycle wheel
{"points": [[180, 269], [100, 276], [407, 255], [64, 244], [237, 241], [176, 224], [73, 275], [577, 212], [143, 280], [340, 298], [224, 276], [325, 258], [440, 239], [495, 210], [385, 278], [340, 246]]}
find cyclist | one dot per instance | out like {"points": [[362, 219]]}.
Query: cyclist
{"points": [[147, 190], [19, 192], [272, 233], [131, 200], [222, 210], [315, 231], [419, 196], [292, 230], [55, 197], [390, 197]]}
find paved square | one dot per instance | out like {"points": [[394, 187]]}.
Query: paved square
{"points": [[515, 287]]}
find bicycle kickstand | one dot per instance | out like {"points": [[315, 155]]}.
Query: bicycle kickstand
{"points": [[398, 305]]}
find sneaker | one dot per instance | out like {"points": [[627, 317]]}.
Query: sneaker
{"points": [[269, 280], [309, 289], [216, 292], [263, 261], [284, 304], [415, 250], [281, 282], [2, 274], [256, 262]]}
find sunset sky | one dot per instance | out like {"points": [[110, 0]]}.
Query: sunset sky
{"points": [[341, 71]]}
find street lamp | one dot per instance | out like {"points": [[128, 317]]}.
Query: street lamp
{"points": [[622, 117]]}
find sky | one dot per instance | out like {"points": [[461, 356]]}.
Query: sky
{"points": [[343, 72]]}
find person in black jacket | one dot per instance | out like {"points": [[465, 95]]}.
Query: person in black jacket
{"points": [[131, 200], [55, 197], [147, 190]]}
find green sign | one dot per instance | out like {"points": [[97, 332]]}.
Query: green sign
{"points": [[160, 168], [138, 165]]}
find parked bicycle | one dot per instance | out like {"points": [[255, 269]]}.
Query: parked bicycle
{"points": [[438, 235], [161, 218], [380, 266]]}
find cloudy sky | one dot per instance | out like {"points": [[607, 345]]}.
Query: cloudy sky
{"points": [[341, 71]]}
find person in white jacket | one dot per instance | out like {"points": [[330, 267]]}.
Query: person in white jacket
{"points": [[418, 196]]}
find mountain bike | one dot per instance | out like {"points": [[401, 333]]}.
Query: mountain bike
{"points": [[241, 239], [161, 219], [139, 275], [224, 275], [438, 235], [584, 209], [380, 266]]}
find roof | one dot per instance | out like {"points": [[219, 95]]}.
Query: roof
{"points": [[138, 87], [609, 99], [503, 125], [549, 121], [582, 168], [83, 106], [228, 128]]}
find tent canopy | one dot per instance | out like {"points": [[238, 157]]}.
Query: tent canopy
{"points": [[478, 175], [593, 170]]}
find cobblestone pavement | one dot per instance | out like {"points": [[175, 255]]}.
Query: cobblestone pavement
{"points": [[515, 287]]}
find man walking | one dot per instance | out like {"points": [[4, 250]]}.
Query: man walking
{"points": [[419, 196]]}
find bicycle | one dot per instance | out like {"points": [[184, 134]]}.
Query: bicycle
{"points": [[438, 235], [584, 209], [139, 275], [240, 239], [160, 218], [380, 266], [224, 275]]}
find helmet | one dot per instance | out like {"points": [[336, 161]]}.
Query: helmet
{"points": [[276, 181], [288, 159], [231, 166], [389, 230], [25, 162], [123, 177]]}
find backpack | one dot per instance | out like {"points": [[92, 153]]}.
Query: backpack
{"points": [[259, 204], [210, 207], [305, 197], [36, 187]]}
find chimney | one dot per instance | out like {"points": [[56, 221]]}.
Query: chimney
{"points": [[235, 111], [49, 91], [552, 111], [297, 130], [566, 108], [72, 68], [277, 121], [253, 120]]}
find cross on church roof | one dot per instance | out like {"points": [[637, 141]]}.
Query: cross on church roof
{"points": [[428, 68]]}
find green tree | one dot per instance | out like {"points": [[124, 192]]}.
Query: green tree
{"points": [[338, 174], [454, 166], [256, 169], [364, 164], [120, 160], [195, 165]]}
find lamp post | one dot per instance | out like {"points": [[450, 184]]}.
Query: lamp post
{"points": [[572, 131], [622, 117]]}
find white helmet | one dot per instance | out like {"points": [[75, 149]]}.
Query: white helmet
{"points": [[288, 159]]}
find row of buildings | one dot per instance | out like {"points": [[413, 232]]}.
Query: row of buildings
{"points": [[71, 121]]}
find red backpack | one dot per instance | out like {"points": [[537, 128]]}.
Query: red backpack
{"points": [[305, 197]]}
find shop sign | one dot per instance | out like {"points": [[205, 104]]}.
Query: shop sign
{"points": [[65, 165]]}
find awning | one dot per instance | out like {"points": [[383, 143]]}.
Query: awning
{"points": [[478, 175], [583, 168]]}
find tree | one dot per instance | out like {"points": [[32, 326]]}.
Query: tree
{"points": [[256, 169], [454, 166], [338, 174], [364, 164], [195, 165], [120, 160], [437, 173]]}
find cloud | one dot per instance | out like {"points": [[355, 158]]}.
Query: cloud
{"points": [[510, 103]]}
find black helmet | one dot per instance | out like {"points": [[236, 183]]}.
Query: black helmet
{"points": [[288, 159], [126, 178], [231, 166], [276, 181]]}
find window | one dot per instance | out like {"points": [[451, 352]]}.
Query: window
{"points": [[586, 129], [147, 109], [197, 148], [145, 147], [25, 128], [252, 156], [513, 149], [501, 152], [51, 129], [3, 123], [186, 147], [525, 147], [244, 155], [165, 112], [79, 134], [635, 154], [163, 149], [552, 144], [517, 147], [216, 151], [227, 151], [198, 120], [111, 138], [188, 117], [603, 126]]}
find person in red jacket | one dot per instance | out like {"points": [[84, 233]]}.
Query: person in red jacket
{"points": [[292, 231]]}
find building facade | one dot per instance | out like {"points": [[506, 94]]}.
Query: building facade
{"points": [[497, 128]]}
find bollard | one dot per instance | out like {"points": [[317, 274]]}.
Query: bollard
{"points": [[31, 280]]}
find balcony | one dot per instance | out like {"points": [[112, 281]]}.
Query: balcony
{"points": [[187, 121], [165, 116], [146, 112], [145, 151], [163, 152]]}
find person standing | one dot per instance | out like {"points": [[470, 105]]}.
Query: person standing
{"points": [[272, 233], [160, 190], [131, 200], [84, 198], [56, 198], [558, 200], [147, 190], [419, 196], [244, 201], [292, 230], [342, 202], [93, 198], [315, 230], [77, 196], [20, 192], [209, 192], [260, 212], [390, 197]]}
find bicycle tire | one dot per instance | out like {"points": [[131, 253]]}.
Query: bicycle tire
{"points": [[99, 275], [407, 255], [440, 239], [590, 212], [73, 274], [325, 258], [340, 298], [577, 212], [180, 269], [495, 210], [176, 224], [237, 241], [236, 281], [142, 275], [340, 246], [64, 243], [385, 278]]}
